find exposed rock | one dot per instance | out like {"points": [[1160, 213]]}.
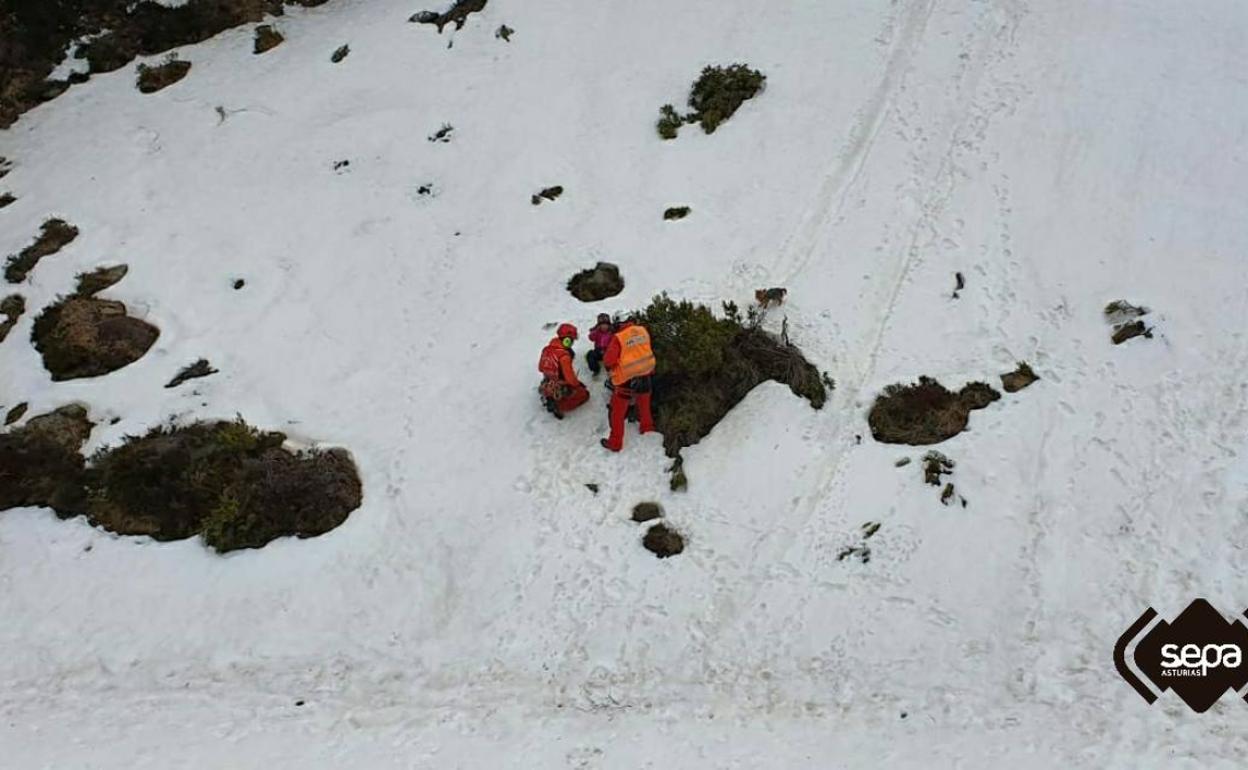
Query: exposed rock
{"points": [[6, 199], [676, 212], [504, 33], [340, 54]]}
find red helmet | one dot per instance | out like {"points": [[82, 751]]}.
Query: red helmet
{"points": [[566, 330]]}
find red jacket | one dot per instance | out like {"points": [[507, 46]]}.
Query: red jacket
{"points": [[556, 358]]}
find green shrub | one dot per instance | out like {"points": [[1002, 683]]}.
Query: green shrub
{"points": [[705, 365], [719, 91], [715, 96], [669, 122], [228, 481]]}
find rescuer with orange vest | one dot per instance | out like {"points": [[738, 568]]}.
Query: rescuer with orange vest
{"points": [[630, 361], [562, 391]]}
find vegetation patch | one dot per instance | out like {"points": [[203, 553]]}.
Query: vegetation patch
{"points": [[40, 462], [860, 550], [11, 307], [663, 541], [601, 281], [936, 465], [16, 413], [86, 337], [675, 212], [96, 281], [716, 95], [267, 39], [200, 368], [643, 512], [228, 481], [705, 365], [155, 78], [1014, 381], [54, 235], [925, 412], [547, 193], [679, 482], [457, 14], [34, 35], [1125, 317], [443, 134]]}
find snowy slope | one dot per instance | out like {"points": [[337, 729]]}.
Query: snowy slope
{"points": [[483, 609]]}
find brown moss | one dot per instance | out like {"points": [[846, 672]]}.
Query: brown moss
{"points": [[54, 235], [925, 412], [155, 78], [87, 337], [267, 39], [1014, 381], [11, 307], [40, 464], [228, 481], [662, 541], [96, 281], [601, 281]]}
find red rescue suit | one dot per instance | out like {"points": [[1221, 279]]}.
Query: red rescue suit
{"points": [[561, 384], [630, 361]]}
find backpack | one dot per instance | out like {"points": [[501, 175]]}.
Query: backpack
{"points": [[548, 364]]}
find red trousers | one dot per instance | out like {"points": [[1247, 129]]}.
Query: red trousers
{"points": [[575, 398], [620, 400]]}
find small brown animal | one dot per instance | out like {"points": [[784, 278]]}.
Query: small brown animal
{"points": [[765, 297]]}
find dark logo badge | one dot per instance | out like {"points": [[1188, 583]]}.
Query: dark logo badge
{"points": [[1200, 655]]}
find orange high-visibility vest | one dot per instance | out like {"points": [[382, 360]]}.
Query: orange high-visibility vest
{"points": [[636, 358]]}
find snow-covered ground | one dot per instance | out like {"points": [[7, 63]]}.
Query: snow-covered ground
{"points": [[483, 609]]}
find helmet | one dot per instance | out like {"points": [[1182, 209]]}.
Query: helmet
{"points": [[566, 332]]}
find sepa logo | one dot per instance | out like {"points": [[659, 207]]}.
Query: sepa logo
{"points": [[1199, 656]]}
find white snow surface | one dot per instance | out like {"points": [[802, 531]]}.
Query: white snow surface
{"points": [[483, 609]]}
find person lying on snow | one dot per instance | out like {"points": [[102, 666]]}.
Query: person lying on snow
{"points": [[630, 361], [600, 335], [561, 390]]}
